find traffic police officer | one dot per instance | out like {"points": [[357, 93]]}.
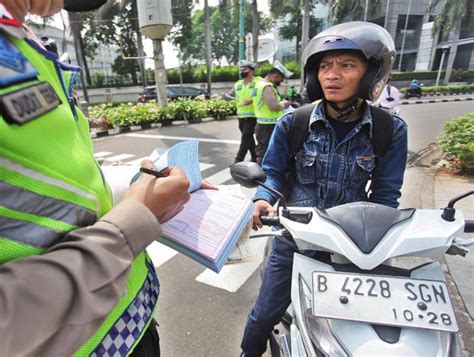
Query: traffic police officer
{"points": [[268, 106], [243, 89], [74, 275]]}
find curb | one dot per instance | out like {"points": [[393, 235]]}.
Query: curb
{"points": [[426, 157], [405, 102], [128, 129]]}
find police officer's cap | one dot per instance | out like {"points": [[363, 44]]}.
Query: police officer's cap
{"points": [[281, 68], [248, 64]]}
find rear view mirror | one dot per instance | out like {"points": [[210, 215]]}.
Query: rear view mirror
{"points": [[247, 174]]}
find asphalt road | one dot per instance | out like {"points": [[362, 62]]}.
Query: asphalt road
{"points": [[200, 313]]}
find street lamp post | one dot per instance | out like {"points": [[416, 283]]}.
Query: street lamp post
{"points": [[241, 31], [444, 48], [366, 9], [404, 35]]}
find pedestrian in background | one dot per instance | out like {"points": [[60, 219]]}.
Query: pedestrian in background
{"points": [[268, 106], [242, 93]]}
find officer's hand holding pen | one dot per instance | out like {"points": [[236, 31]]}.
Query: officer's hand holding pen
{"points": [[165, 196]]}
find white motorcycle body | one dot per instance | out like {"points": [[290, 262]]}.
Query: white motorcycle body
{"points": [[359, 304]]}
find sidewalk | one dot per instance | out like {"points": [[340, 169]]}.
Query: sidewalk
{"points": [[432, 187]]}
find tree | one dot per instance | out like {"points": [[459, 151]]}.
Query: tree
{"points": [[351, 10], [77, 25], [112, 11], [118, 26], [293, 22], [449, 20]]}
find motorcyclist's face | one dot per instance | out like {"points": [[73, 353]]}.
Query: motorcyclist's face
{"points": [[83, 5], [340, 74]]}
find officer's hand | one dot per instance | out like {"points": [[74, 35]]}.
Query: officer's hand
{"points": [[19, 8], [164, 196], [248, 101], [286, 103], [262, 208]]}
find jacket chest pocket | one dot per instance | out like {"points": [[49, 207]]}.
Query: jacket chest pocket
{"points": [[305, 163], [363, 167]]}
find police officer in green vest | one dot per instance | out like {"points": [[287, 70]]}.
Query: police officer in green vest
{"points": [[268, 106], [242, 93], [74, 275]]}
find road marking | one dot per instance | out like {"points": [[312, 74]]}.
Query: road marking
{"points": [[137, 161], [120, 157], [169, 137], [233, 276], [160, 253], [219, 177], [203, 166], [101, 154]]}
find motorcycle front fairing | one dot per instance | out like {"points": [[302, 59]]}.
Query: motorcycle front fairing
{"points": [[333, 337], [422, 234]]}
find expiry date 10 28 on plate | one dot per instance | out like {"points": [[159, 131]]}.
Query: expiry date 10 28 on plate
{"points": [[385, 300]]}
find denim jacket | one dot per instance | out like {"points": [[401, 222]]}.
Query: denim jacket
{"points": [[328, 173]]}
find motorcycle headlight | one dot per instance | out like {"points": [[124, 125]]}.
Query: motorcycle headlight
{"points": [[318, 328]]}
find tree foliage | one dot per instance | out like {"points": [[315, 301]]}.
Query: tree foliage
{"points": [[351, 10], [224, 34], [293, 22], [119, 27], [454, 13]]}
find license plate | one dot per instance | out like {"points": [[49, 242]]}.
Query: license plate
{"points": [[403, 302]]}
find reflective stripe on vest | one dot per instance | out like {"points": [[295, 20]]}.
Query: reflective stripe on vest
{"points": [[19, 199], [130, 326]]}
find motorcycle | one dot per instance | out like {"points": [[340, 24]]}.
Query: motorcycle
{"points": [[411, 92], [362, 302]]}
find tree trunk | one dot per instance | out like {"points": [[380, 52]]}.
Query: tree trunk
{"points": [[452, 52], [207, 32], [141, 52], [75, 24], [255, 30], [304, 36]]}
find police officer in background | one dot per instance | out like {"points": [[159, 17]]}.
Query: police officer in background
{"points": [[74, 275], [242, 93], [268, 106]]}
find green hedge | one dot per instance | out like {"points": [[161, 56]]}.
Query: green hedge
{"points": [[106, 116], [446, 89], [198, 74], [456, 76], [457, 141]]}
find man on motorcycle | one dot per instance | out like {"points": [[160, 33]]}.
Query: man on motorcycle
{"points": [[344, 66], [415, 87]]}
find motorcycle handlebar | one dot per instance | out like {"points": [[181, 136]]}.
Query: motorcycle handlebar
{"points": [[269, 221], [469, 226]]}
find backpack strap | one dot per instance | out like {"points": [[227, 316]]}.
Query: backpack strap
{"points": [[382, 130], [298, 131]]}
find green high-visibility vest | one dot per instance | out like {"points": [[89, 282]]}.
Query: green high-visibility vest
{"points": [[51, 184], [263, 113], [244, 91]]}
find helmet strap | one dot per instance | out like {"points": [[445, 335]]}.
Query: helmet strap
{"points": [[345, 112]]}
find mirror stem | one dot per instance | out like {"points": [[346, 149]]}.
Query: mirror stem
{"points": [[282, 198]]}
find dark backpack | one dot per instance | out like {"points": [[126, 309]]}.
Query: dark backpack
{"points": [[382, 129]]}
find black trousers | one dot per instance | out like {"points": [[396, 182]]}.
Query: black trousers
{"points": [[247, 142], [263, 132], [149, 345]]}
